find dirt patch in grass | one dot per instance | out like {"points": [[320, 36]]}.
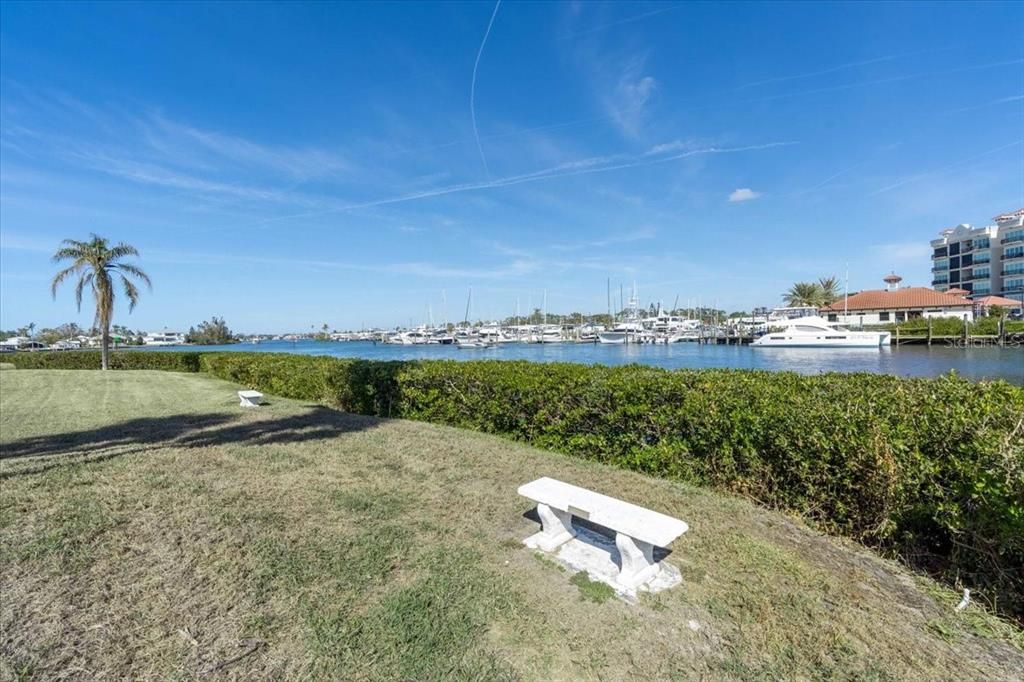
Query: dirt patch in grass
{"points": [[149, 528]]}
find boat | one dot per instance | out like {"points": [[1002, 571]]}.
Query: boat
{"points": [[469, 344], [622, 333], [817, 332], [494, 334], [412, 337], [546, 333], [630, 330]]}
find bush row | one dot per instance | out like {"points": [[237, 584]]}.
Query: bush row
{"points": [[180, 361], [930, 469]]}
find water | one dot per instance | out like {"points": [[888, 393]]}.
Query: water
{"points": [[975, 363]]}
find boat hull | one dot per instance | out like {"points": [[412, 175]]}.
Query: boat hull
{"points": [[871, 341]]}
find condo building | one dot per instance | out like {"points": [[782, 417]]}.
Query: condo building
{"points": [[982, 260]]}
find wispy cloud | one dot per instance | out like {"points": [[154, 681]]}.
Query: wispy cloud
{"points": [[151, 149], [743, 194], [626, 102], [300, 163], [574, 168], [628, 237], [902, 253], [942, 169], [993, 103], [10, 241], [883, 81], [619, 22], [843, 67], [472, 89], [508, 270]]}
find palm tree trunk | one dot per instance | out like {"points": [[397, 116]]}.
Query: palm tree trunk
{"points": [[105, 346]]}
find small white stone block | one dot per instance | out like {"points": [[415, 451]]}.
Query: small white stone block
{"points": [[250, 398]]}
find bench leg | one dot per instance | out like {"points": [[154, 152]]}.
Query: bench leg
{"points": [[638, 564], [557, 528]]}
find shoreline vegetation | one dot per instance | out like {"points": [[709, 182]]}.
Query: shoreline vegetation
{"points": [[927, 470], [173, 535]]}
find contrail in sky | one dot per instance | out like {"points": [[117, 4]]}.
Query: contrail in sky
{"points": [[472, 89], [914, 178], [843, 67], [581, 167]]}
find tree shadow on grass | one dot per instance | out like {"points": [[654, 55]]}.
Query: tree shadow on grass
{"points": [[183, 431]]}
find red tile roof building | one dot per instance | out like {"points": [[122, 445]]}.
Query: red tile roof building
{"points": [[879, 306], [1001, 301]]}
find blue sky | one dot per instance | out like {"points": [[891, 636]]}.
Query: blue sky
{"points": [[284, 165]]}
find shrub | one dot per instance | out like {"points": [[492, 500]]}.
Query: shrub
{"points": [[181, 361]]}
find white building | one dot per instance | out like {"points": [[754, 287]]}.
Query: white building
{"points": [[982, 260]]}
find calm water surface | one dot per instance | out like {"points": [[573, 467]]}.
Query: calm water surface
{"points": [[975, 363]]}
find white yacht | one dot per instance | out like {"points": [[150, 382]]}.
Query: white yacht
{"points": [[494, 334], [817, 332], [621, 333], [412, 337], [546, 333], [163, 338]]}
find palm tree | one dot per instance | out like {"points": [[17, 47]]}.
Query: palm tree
{"points": [[829, 289], [97, 265], [804, 294]]}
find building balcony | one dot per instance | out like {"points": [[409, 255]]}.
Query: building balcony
{"points": [[1013, 255], [939, 282], [1012, 273], [1012, 240]]}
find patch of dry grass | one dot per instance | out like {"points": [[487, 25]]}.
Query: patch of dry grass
{"points": [[150, 528]]}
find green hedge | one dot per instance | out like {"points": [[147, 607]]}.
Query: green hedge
{"points": [[180, 361], [929, 469]]}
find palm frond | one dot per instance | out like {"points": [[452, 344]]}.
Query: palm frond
{"points": [[122, 250], [82, 283], [67, 253], [135, 271], [131, 291], [61, 276]]}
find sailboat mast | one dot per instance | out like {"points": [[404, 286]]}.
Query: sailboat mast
{"points": [[609, 294], [846, 296]]}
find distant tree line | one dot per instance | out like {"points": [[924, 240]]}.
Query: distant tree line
{"points": [[213, 332]]}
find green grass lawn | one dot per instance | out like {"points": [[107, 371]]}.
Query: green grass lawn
{"points": [[151, 528]]}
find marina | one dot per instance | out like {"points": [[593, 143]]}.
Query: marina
{"points": [[973, 362]]}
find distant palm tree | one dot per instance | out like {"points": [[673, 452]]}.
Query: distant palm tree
{"points": [[97, 265], [31, 330], [829, 289], [804, 294]]}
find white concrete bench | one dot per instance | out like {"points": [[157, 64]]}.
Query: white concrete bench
{"points": [[250, 398], [637, 530]]}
